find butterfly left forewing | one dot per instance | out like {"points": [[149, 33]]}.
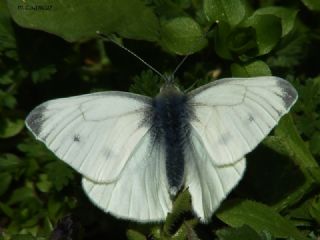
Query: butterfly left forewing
{"points": [[93, 133]]}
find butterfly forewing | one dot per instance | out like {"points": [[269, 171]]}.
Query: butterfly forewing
{"points": [[233, 115], [93, 133]]}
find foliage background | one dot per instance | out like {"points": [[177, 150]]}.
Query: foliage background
{"points": [[49, 49]]}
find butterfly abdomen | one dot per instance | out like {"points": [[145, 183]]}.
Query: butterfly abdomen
{"points": [[171, 127]]}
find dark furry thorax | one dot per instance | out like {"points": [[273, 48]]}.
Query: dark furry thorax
{"points": [[170, 125]]}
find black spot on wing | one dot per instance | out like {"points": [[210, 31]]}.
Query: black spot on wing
{"points": [[289, 93], [35, 119], [76, 138]]}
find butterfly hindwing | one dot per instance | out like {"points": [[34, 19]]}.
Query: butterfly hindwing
{"points": [[141, 193], [207, 183]]}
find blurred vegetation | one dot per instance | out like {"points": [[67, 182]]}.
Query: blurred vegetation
{"points": [[49, 49]]}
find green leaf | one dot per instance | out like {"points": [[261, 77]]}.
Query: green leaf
{"points": [[167, 9], [74, 21], [5, 180], [181, 205], [239, 43], [182, 36], [242, 43], [4, 208], [221, 38], [315, 143], [288, 142], [256, 36], [253, 69], [44, 185], [260, 218], [23, 237], [20, 195], [43, 74], [7, 100], [314, 208], [10, 127], [35, 150], [294, 147], [134, 235], [241, 233], [186, 231], [301, 212], [313, 5], [59, 174], [229, 11], [268, 31], [6, 78], [309, 94], [147, 83], [8, 41], [287, 15], [9, 162], [290, 51], [54, 206]]}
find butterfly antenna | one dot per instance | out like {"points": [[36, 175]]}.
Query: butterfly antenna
{"points": [[177, 68], [109, 38]]}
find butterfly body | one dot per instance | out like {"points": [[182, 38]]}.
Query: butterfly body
{"points": [[135, 153], [171, 115]]}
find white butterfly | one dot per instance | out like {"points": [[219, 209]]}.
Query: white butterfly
{"points": [[135, 153]]}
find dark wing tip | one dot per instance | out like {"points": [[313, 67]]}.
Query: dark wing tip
{"points": [[290, 94], [35, 119]]}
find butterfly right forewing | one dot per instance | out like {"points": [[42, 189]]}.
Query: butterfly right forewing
{"points": [[233, 115]]}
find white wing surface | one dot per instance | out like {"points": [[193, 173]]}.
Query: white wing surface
{"points": [[94, 133], [232, 116], [141, 193], [208, 184]]}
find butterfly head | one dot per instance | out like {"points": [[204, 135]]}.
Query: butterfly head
{"points": [[169, 87]]}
